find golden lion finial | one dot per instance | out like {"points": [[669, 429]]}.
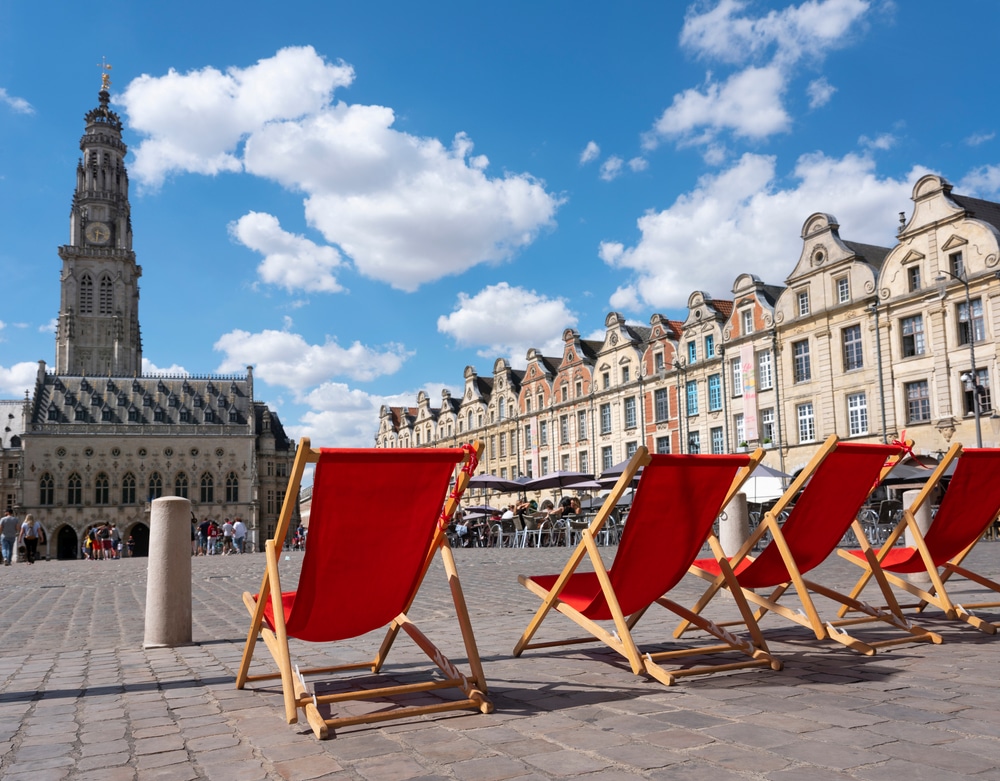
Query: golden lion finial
{"points": [[105, 75]]}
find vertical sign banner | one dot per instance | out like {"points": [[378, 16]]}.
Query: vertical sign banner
{"points": [[749, 393]]}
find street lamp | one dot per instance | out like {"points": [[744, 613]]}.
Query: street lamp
{"points": [[968, 379], [873, 308]]}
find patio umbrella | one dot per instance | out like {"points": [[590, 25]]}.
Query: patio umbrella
{"points": [[492, 482], [483, 508], [765, 483], [556, 480], [586, 485], [616, 470], [907, 474]]}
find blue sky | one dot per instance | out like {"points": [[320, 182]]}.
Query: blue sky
{"points": [[360, 199]]}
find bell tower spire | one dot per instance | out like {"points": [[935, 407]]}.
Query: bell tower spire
{"points": [[98, 328]]}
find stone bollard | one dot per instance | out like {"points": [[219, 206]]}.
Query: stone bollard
{"points": [[168, 574], [734, 525], [923, 519]]}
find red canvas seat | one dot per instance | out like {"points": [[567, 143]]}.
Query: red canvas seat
{"points": [[351, 584], [970, 505], [823, 503], [677, 500]]}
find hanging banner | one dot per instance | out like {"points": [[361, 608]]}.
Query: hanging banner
{"points": [[749, 393]]}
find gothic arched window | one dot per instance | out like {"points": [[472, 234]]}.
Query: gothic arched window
{"points": [[232, 487], [86, 295], [128, 489], [106, 296], [101, 492], [207, 488], [74, 489], [155, 486], [46, 489], [181, 485]]}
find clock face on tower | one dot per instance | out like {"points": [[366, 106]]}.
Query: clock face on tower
{"points": [[97, 233]]}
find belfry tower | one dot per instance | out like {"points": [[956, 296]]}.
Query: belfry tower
{"points": [[98, 329]]}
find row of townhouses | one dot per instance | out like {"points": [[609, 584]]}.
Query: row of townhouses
{"points": [[861, 341]]}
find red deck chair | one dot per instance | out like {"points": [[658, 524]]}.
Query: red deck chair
{"points": [[970, 505], [675, 504], [351, 584], [836, 483]]}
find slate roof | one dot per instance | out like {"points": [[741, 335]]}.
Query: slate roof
{"points": [[987, 211], [872, 254]]}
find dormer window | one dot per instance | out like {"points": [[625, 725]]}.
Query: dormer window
{"points": [[802, 301], [746, 322]]}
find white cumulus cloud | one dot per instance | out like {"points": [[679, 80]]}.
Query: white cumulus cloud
{"points": [[749, 103], [290, 261], [18, 105], [820, 92], [502, 320], [742, 220], [285, 359], [17, 379], [590, 152], [405, 209], [611, 168], [174, 370]]}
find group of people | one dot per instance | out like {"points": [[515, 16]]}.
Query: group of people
{"points": [[210, 538], [475, 532], [24, 535], [103, 542]]}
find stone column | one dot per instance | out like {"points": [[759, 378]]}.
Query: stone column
{"points": [[923, 519], [734, 525], [168, 578]]}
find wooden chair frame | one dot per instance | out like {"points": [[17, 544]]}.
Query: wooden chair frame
{"points": [[621, 640], [809, 616], [295, 691], [937, 594]]}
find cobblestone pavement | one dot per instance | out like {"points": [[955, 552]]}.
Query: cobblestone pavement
{"points": [[81, 699]]}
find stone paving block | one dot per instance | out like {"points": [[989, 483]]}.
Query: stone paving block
{"points": [[162, 759], [562, 764], [838, 757], [802, 773], [896, 769], [304, 768], [179, 772], [692, 771], [103, 760], [107, 747], [490, 769], [940, 756], [158, 745]]}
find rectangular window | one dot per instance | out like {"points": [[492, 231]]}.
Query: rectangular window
{"points": [[606, 380], [694, 442], [513, 441], [625, 375], [543, 464], [802, 299], [843, 290], [630, 448], [527, 436], [913, 278], [663, 445], [765, 372], [767, 425], [716, 435], [692, 352], [564, 429], [543, 433], [528, 469], [746, 322], [709, 346], [579, 389], [736, 371], [715, 392], [583, 461], [607, 458], [807, 422], [853, 354], [630, 421], [957, 264], [976, 327], [912, 329], [982, 388], [503, 446], [503, 473], [661, 405], [581, 425], [691, 388], [493, 445], [802, 369], [918, 402], [740, 428], [857, 414], [658, 364], [564, 462], [605, 418]]}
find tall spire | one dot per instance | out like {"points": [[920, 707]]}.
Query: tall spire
{"points": [[98, 331]]}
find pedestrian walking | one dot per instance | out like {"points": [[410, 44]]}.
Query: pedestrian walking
{"points": [[31, 534], [9, 528], [239, 534]]}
